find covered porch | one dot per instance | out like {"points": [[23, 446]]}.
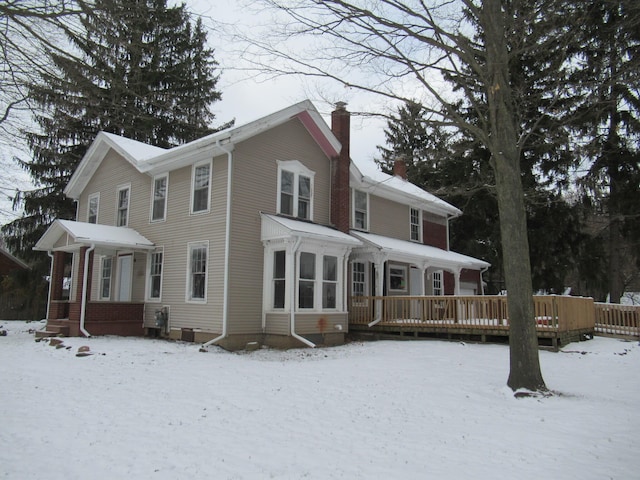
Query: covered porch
{"points": [[79, 307]]}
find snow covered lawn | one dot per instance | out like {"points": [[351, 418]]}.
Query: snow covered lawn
{"points": [[152, 409]]}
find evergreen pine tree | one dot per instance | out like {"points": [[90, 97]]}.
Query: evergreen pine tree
{"points": [[607, 122], [147, 74]]}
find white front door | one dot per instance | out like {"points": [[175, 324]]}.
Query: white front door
{"points": [[125, 268], [416, 285]]}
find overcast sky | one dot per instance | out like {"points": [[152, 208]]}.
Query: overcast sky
{"points": [[243, 97]]}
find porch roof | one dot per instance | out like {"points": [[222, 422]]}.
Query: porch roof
{"points": [[417, 253], [276, 227], [67, 235]]}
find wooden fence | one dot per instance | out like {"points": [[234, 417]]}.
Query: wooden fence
{"points": [[557, 313], [617, 320]]}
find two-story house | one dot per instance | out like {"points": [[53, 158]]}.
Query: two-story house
{"points": [[259, 233]]}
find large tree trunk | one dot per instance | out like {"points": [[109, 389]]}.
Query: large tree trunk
{"points": [[523, 341]]}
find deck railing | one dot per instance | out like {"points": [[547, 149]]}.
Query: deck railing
{"points": [[619, 320], [558, 313]]}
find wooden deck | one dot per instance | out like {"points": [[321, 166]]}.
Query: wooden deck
{"points": [[559, 319]]}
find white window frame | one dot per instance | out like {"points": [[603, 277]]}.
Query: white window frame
{"points": [[149, 286], [297, 169], [418, 225], [275, 279], [364, 282], [164, 176], [122, 188], [405, 271], [96, 197], [103, 278], [318, 280], [437, 282], [209, 164], [364, 228], [189, 298]]}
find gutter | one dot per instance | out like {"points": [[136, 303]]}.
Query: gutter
{"points": [[292, 308], [227, 241], [85, 282]]}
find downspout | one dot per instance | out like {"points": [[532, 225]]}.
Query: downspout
{"points": [[227, 237], [85, 283], [292, 299], [50, 254]]}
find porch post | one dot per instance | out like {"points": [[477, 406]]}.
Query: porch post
{"points": [[379, 264], [456, 277]]}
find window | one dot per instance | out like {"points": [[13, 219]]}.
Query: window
{"points": [[295, 190], [92, 209], [154, 262], [279, 284], [105, 278], [329, 281], [159, 198], [437, 283], [397, 278], [416, 231], [122, 218], [358, 279], [360, 210], [306, 283], [197, 272], [200, 191]]}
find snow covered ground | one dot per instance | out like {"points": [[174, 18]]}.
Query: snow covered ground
{"points": [[152, 409]]}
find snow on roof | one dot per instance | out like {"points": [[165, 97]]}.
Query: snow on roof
{"points": [[377, 182], [85, 234], [418, 251], [137, 150], [278, 227]]}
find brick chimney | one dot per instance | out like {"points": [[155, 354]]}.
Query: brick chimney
{"points": [[340, 206], [400, 168]]}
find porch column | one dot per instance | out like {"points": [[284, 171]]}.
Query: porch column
{"points": [[456, 277], [424, 268], [57, 275], [379, 265]]}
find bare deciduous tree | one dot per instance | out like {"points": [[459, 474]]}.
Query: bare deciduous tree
{"points": [[398, 48]]}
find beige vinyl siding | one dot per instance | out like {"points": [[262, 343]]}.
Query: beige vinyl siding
{"points": [[174, 235], [179, 229], [255, 180], [278, 324], [310, 323], [388, 218]]}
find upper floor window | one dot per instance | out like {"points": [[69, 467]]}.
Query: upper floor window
{"points": [[122, 215], [416, 231], [200, 191], [360, 210], [92, 208], [197, 272], [154, 279], [295, 190], [159, 198]]}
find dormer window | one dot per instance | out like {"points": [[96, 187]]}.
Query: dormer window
{"points": [[360, 210], [295, 190]]}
